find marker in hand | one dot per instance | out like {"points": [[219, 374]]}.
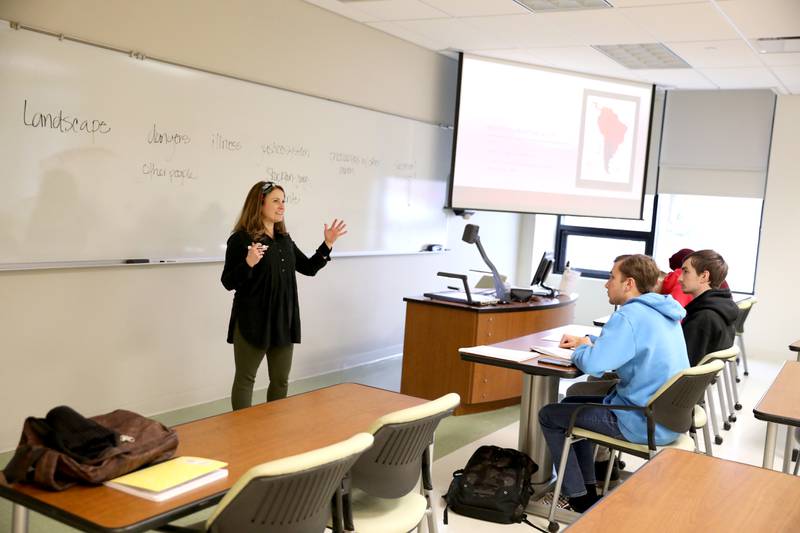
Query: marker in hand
{"points": [[255, 252]]}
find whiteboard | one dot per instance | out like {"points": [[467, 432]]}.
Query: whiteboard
{"points": [[109, 157]]}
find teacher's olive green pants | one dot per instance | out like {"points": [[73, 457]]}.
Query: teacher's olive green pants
{"points": [[248, 358]]}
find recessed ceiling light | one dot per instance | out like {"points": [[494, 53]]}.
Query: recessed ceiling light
{"points": [[642, 56], [562, 5], [778, 45]]}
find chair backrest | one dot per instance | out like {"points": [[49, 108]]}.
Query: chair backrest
{"points": [[744, 310], [392, 467], [720, 355], [289, 495], [673, 403]]}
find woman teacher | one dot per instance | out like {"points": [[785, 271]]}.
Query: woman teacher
{"points": [[260, 265]]}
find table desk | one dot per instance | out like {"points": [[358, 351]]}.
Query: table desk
{"points": [[539, 387], [243, 439], [795, 347], [780, 405], [435, 330], [680, 491]]}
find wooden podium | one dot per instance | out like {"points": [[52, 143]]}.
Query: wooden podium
{"points": [[435, 331]]}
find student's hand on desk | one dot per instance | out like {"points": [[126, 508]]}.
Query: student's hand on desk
{"points": [[334, 231], [570, 341]]}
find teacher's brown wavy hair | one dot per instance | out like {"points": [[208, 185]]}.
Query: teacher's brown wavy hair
{"points": [[250, 220]]}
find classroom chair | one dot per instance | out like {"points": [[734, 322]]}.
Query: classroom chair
{"points": [[724, 385], [672, 406], [745, 306], [289, 495], [701, 422], [381, 496]]}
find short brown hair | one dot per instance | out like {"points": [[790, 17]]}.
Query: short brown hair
{"points": [[641, 268], [711, 261]]}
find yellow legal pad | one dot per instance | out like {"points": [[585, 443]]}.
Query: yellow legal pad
{"points": [[170, 473]]}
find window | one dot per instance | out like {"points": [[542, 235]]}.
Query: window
{"points": [[591, 244], [729, 225]]}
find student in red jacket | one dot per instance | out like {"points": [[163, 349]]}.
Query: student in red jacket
{"points": [[670, 285]]}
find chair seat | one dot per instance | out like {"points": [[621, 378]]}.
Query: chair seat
{"points": [[700, 418], [683, 442], [380, 515]]}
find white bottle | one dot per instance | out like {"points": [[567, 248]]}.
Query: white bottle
{"points": [[569, 280]]}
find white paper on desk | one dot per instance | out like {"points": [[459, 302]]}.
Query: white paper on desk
{"points": [[576, 330], [499, 353], [555, 351]]}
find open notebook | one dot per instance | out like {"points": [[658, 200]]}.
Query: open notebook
{"points": [[553, 351]]}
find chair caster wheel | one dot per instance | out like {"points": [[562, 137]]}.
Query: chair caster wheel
{"points": [[552, 527], [718, 440], [738, 407], [732, 418], [738, 380], [621, 465], [747, 373], [726, 426]]}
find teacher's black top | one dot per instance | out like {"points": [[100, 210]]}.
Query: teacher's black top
{"points": [[265, 303]]}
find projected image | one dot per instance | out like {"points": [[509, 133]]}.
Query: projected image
{"points": [[607, 141], [532, 139]]}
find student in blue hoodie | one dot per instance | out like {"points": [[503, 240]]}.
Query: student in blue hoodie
{"points": [[643, 341]]}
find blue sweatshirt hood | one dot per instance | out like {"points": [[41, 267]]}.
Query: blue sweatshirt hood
{"points": [[663, 303]]}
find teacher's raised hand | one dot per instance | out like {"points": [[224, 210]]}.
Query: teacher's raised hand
{"points": [[334, 231]]}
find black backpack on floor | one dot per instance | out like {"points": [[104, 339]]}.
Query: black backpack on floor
{"points": [[494, 486]]}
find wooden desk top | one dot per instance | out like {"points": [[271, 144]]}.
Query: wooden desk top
{"points": [[681, 491], [795, 346], [781, 402], [540, 303], [243, 439], [530, 366]]}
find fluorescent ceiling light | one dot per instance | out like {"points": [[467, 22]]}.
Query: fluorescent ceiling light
{"points": [[778, 45], [642, 56], [562, 5]]}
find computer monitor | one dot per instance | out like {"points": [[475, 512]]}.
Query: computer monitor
{"points": [[543, 270]]}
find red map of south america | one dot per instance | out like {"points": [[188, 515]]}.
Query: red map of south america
{"points": [[613, 132]]}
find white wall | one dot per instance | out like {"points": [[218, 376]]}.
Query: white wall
{"points": [[152, 338], [772, 324]]}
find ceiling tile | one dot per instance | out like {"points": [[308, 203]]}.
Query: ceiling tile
{"points": [[741, 77], [632, 3], [516, 54], [683, 22], [477, 8], [764, 18], [583, 59], [396, 29], [777, 60], [458, 33], [716, 54], [677, 78], [790, 76], [349, 10], [605, 26], [382, 10]]}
